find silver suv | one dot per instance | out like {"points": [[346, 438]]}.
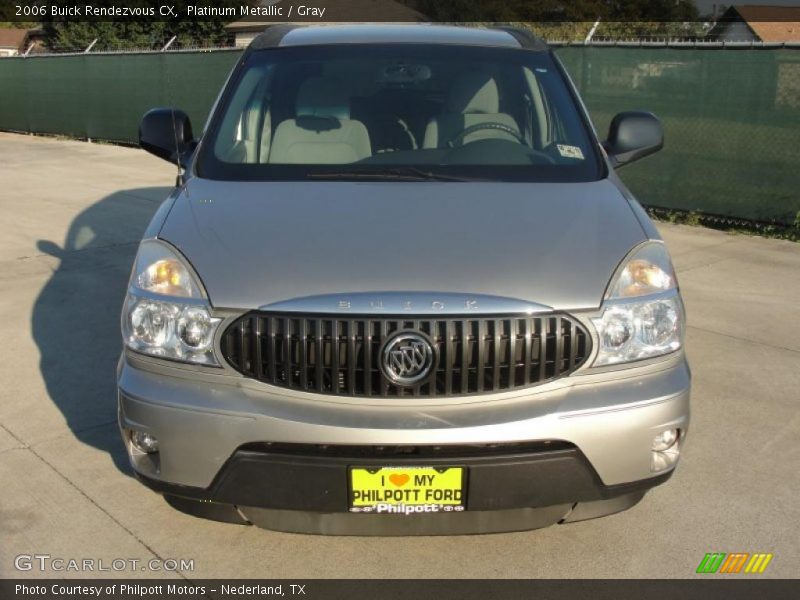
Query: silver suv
{"points": [[399, 289]]}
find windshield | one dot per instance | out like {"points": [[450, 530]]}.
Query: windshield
{"points": [[401, 111]]}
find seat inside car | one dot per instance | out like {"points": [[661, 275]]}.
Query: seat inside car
{"points": [[322, 131], [473, 98]]}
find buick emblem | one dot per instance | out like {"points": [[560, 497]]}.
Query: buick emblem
{"points": [[407, 358]]}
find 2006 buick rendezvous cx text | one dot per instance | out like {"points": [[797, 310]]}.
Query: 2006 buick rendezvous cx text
{"points": [[399, 289]]}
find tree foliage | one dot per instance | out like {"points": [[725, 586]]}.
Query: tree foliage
{"points": [[64, 34], [555, 10]]}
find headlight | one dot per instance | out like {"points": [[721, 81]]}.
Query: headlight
{"points": [[166, 312], [161, 271], [642, 313]]}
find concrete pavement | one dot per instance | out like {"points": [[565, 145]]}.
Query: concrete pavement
{"points": [[72, 216]]}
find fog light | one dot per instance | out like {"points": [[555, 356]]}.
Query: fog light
{"points": [[144, 442], [666, 450], [665, 440], [661, 461]]}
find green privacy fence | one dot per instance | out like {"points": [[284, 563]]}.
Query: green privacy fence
{"points": [[731, 116], [731, 124], [103, 96]]}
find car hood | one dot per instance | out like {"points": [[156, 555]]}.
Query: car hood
{"points": [[256, 244]]}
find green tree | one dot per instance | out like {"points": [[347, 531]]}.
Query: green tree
{"points": [[65, 34], [555, 10]]}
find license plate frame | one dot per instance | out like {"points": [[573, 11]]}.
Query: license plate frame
{"points": [[441, 494]]}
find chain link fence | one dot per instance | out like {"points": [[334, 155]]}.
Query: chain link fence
{"points": [[731, 114]]}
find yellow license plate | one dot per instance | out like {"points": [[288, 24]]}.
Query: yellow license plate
{"points": [[407, 490]]}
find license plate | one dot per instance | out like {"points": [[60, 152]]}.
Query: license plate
{"points": [[407, 490]]}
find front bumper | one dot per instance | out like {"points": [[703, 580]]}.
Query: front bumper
{"points": [[228, 439], [513, 486]]}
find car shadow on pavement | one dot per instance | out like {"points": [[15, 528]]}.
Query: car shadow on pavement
{"points": [[76, 316]]}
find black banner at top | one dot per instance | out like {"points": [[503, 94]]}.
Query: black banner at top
{"points": [[334, 11]]}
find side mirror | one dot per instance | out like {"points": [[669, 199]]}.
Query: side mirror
{"points": [[633, 135], [167, 133], [51, 248]]}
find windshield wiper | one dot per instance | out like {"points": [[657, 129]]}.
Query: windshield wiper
{"points": [[392, 174]]}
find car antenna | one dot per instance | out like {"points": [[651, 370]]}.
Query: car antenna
{"points": [[179, 181]]}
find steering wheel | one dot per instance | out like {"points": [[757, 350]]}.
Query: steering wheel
{"points": [[458, 139]]}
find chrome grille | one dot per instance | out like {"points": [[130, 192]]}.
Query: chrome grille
{"points": [[331, 354]]}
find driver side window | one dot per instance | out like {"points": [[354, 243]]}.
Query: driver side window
{"points": [[247, 125]]}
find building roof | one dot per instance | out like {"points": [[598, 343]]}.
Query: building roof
{"points": [[13, 38], [371, 10], [770, 23], [345, 11]]}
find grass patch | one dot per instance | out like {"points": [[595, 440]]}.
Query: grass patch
{"points": [[772, 230]]}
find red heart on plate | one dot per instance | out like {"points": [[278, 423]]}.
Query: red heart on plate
{"points": [[399, 479]]}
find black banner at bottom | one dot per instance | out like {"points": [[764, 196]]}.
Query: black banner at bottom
{"points": [[396, 589]]}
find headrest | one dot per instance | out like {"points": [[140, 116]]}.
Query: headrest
{"points": [[474, 93], [322, 97]]}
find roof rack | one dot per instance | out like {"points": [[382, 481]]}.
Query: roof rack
{"points": [[274, 34], [525, 37], [271, 36]]}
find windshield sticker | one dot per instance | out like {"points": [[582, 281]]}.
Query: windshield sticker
{"points": [[570, 151]]}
